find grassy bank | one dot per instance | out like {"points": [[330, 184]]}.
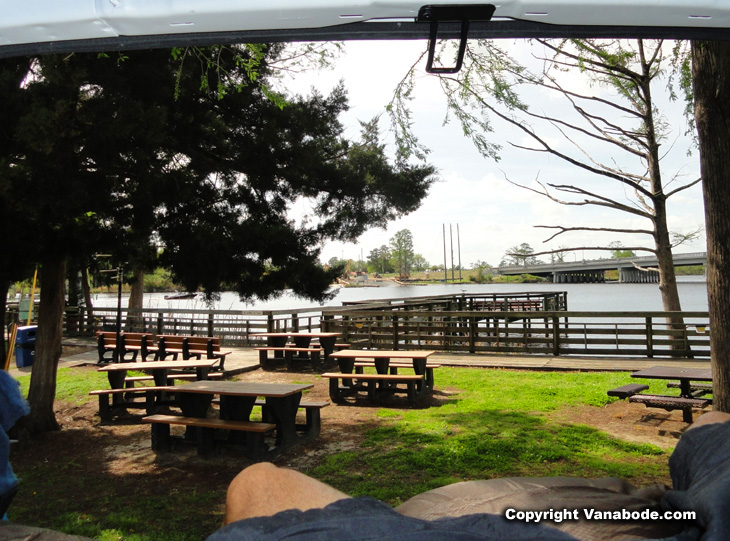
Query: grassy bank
{"points": [[480, 424]]}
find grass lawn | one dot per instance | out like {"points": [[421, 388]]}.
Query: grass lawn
{"points": [[484, 424]]}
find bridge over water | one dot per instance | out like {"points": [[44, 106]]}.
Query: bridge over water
{"points": [[630, 269]]}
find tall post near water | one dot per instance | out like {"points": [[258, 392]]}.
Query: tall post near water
{"points": [[446, 271]]}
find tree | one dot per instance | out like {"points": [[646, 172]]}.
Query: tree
{"points": [[379, 259], [401, 250], [419, 263], [521, 255], [618, 251], [116, 164], [14, 266], [627, 124], [710, 68]]}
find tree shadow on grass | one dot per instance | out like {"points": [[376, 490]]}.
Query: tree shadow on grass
{"points": [[431, 451], [72, 481]]}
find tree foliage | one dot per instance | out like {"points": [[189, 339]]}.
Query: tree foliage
{"points": [[134, 157], [401, 252]]}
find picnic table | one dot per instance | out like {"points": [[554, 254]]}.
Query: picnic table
{"points": [[419, 383], [237, 399], [689, 393], [277, 343], [123, 397]]}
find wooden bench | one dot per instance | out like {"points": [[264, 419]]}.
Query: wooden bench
{"points": [[131, 343], [394, 366], [372, 380], [313, 424], [210, 346], [129, 381], [106, 409], [670, 403], [161, 439], [697, 389], [625, 391], [314, 354], [169, 345]]}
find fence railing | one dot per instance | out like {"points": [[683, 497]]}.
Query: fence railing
{"points": [[527, 323], [233, 327], [645, 334]]}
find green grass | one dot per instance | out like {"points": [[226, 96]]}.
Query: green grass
{"points": [[497, 425], [490, 423]]}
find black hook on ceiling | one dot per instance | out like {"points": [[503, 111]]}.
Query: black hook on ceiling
{"points": [[451, 13]]}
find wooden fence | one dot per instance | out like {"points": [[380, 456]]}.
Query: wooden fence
{"points": [[645, 334], [233, 327], [526, 323]]}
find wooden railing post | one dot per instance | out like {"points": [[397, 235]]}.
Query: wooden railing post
{"points": [[556, 335], [295, 322], [649, 337], [395, 331], [211, 323], [270, 322], [160, 322]]}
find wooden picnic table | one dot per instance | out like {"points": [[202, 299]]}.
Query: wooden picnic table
{"points": [[383, 382], [684, 375], [237, 399], [301, 339], [687, 397], [382, 358], [277, 343]]}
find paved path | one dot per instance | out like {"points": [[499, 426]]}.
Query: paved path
{"points": [[244, 359]]}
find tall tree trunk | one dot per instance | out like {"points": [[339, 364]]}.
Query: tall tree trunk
{"points": [[4, 286], [711, 79], [42, 391], [136, 298], [89, 317]]}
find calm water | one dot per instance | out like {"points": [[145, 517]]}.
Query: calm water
{"points": [[581, 297]]}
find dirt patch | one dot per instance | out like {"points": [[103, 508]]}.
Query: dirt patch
{"points": [[630, 422]]}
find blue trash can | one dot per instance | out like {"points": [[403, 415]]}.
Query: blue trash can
{"points": [[25, 345]]}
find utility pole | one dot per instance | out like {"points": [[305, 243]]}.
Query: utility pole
{"points": [[451, 235], [446, 272], [458, 244]]}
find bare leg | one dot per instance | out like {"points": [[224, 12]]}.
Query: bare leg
{"points": [[264, 489]]}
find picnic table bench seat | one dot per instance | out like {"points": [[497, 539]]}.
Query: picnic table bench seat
{"points": [[412, 381], [255, 433], [131, 380], [313, 423], [395, 365], [107, 405], [625, 391], [698, 389], [670, 403]]}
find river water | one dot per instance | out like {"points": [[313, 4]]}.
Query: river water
{"points": [[581, 297]]}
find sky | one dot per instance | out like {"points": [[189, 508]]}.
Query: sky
{"points": [[492, 215]]}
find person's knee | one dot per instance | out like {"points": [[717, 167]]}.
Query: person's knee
{"points": [[711, 417]]}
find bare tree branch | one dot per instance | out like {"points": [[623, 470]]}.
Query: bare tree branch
{"points": [[602, 248], [563, 229], [684, 187]]}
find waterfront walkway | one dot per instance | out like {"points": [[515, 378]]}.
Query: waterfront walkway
{"points": [[244, 359]]}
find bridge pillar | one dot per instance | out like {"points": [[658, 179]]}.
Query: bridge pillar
{"points": [[636, 276]]}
